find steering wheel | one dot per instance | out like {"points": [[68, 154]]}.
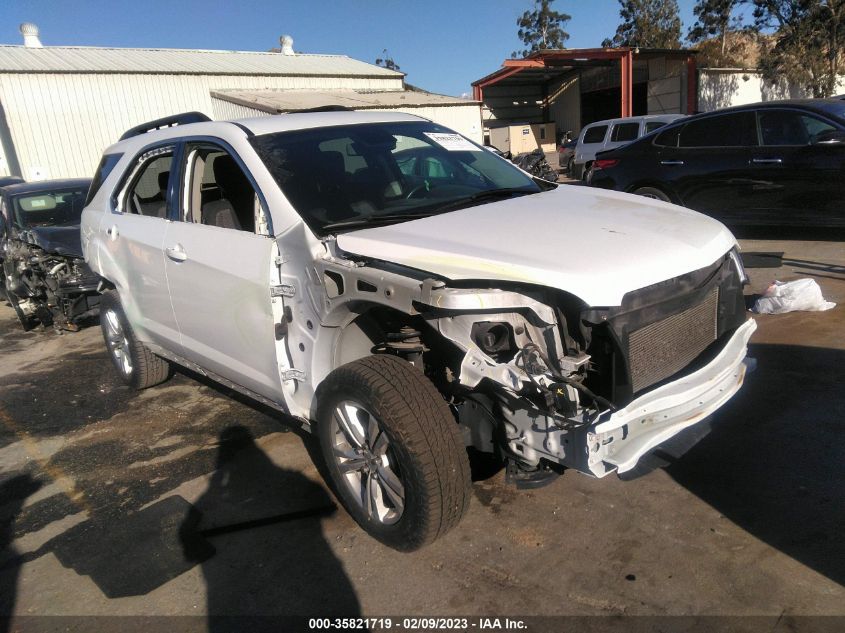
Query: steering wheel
{"points": [[421, 187]]}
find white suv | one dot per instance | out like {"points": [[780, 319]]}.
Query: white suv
{"points": [[405, 294]]}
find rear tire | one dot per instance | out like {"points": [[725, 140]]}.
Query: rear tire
{"points": [[653, 193], [393, 450], [136, 365]]}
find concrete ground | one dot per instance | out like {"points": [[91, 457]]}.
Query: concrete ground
{"points": [[177, 500]]}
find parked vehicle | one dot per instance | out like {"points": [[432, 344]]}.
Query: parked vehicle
{"points": [[779, 162], [303, 261], [566, 156], [5, 181], [46, 279], [611, 133]]}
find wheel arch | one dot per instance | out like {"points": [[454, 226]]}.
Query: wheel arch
{"points": [[660, 186]]}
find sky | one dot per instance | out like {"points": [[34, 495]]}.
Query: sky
{"points": [[441, 45]]}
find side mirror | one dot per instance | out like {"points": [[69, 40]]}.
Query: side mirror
{"points": [[833, 137]]}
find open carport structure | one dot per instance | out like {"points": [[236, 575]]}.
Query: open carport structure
{"points": [[573, 87]]}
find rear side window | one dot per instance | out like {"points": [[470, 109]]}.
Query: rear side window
{"points": [[737, 129], [107, 163], [623, 132], [595, 134]]}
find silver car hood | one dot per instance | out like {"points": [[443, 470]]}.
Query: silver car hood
{"points": [[592, 243]]}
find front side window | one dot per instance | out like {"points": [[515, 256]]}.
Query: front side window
{"points": [[790, 127], [650, 126], [595, 134], [61, 207], [219, 192], [624, 132], [147, 191], [343, 177], [736, 129]]}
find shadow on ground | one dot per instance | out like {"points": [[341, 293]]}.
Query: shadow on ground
{"points": [[255, 531], [774, 463]]}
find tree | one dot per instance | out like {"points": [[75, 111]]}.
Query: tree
{"points": [[387, 61], [541, 28], [723, 39], [647, 23], [806, 46]]}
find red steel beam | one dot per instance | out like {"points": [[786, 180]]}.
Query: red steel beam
{"points": [[692, 85], [626, 64]]}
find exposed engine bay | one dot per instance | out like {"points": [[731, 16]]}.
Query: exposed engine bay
{"points": [[50, 288]]}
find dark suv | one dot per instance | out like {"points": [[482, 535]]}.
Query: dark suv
{"points": [[780, 162]]}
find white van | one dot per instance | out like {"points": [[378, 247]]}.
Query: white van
{"points": [[611, 133]]}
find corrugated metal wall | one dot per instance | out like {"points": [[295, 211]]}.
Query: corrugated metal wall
{"points": [[464, 119], [60, 123]]}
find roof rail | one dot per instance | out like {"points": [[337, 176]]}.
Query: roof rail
{"points": [[168, 121]]}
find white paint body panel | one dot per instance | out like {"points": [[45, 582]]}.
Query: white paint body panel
{"points": [[221, 300], [594, 244]]}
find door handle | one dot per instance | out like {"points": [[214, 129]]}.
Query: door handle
{"points": [[176, 253], [112, 232], [767, 161], [672, 163]]}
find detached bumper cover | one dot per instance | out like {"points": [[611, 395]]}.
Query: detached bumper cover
{"points": [[618, 442]]}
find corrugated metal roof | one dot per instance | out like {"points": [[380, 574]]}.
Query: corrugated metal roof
{"points": [[89, 59], [274, 101]]}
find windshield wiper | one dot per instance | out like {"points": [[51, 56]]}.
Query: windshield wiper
{"points": [[481, 196], [372, 220]]}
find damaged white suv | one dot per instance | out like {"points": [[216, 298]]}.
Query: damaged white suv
{"points": [[406, 294]]}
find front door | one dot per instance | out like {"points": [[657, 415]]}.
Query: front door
{"points": [[800, 175], [219, 272]]}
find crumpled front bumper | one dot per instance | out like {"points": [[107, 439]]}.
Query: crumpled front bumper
{"points": [[617, 443]]}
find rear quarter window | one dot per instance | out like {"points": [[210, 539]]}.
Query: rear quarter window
{"points": [[105, 167], [595, 134]]}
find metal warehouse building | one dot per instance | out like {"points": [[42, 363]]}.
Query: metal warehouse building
{"points": [[60, 106]]}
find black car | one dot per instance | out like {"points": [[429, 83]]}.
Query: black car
{"points": [[46, 279], [5, 181], [780, 162]]}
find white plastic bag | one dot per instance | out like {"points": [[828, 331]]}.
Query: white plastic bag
{"points": [[789, 296]]}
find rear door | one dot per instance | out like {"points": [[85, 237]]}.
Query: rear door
{"points": [[219, 259], [132, 236], [708, 167], [800, 176]]}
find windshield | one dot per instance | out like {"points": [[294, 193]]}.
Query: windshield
{"points": [[345, 177], [49, 208]]}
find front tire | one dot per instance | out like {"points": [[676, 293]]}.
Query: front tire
{"points": [[136, 365], [27, 322], [393, 450]]}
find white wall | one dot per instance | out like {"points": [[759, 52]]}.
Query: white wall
{"points": [[61, 123], [465, 119], [722, 88]]}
